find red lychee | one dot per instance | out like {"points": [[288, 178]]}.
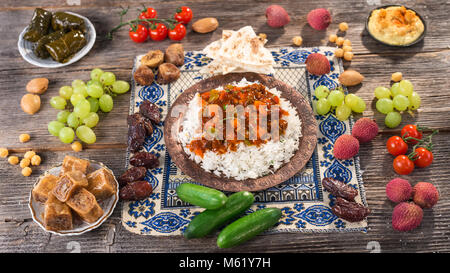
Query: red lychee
{"points": [[365, 129], [345, 147], [399, 190], [406, 216], [319, 19], [425, 195], [277, 16], [317, 64]]}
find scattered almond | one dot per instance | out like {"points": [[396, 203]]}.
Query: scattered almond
{"points": [[37, 86], [205, 25], [30, 103], [351, 78]]}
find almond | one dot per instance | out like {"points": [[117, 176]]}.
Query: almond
{"points": [[205, 25], [37, 86], [30, 103], [351, 78]]}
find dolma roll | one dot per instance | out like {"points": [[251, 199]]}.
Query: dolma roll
{"points": [[64, 48], [39, 47], [39, 25], [67, 22]]}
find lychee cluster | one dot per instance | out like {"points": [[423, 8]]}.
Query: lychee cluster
{"points": [[347, 146], [408, 213]]}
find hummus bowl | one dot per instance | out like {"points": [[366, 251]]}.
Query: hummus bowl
{"points": [[384, 40]]}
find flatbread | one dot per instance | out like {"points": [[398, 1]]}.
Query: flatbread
{"points": [[238, 51]]}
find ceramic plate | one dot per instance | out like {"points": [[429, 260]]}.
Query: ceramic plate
{"points": [[80, 227], [306, 147], [26, 47]]}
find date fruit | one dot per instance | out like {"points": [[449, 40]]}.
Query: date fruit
{"points": [[151, 111], [137, 190], [339, 189], [350, 211], [137, 118], [144, 159], [132, 174]]}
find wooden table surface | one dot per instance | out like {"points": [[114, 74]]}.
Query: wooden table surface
{"points": [[425, 64]]}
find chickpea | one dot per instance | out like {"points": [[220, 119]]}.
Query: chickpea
{"points": [[332, 38], [26, 171], [24, 138], [262, 36], [36, 160], [343, 26], [340, 41], [76, 146], [397, 76], [24, 163], [339, 53], [4, 152], [347, 48], [347, 42], [297, 40], [348, 56], [29, 154], [13, 160]]}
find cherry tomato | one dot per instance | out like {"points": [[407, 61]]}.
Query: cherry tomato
{"points": [[410, 130], [396, 146], [140, 35], [423, 157], [403, 165], [183, 15], [150, 13], [178, 32], [158, 32]]}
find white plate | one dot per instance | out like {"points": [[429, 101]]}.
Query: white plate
{"points": [[26, 47], [79, 227]]}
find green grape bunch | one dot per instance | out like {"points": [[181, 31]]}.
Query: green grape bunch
{"points": [[344, 104], [77, 118], [393, 102]]}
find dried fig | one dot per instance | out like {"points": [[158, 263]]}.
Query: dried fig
{"points": [[144, 75], [175, 54], [167, 73], [153, 58]]}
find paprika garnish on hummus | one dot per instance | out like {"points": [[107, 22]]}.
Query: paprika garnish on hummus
{"points": [[395, 25]]}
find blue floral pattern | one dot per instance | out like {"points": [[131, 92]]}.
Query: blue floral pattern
{"points": [[305, 205]]}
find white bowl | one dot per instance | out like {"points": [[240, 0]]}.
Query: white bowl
{"points": [[26, 47], [79, 227]]}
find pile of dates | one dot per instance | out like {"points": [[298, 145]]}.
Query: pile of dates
{"points": [[345, 206], [140, 125]]}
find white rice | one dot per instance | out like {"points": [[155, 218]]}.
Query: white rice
{"points": [[247, 161]]}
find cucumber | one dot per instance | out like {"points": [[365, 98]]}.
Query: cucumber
{"points": [[201, 196], [210, 220], [248, 227]]}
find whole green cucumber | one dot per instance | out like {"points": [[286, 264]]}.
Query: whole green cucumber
{"points": [[210, 220], [248, 227], [201, 196]]}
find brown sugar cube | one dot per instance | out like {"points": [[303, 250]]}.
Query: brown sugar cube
{"points": [[84, 204], [57, 215], [72, 163], [44, 188], [68, 184], [101, 184]]}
